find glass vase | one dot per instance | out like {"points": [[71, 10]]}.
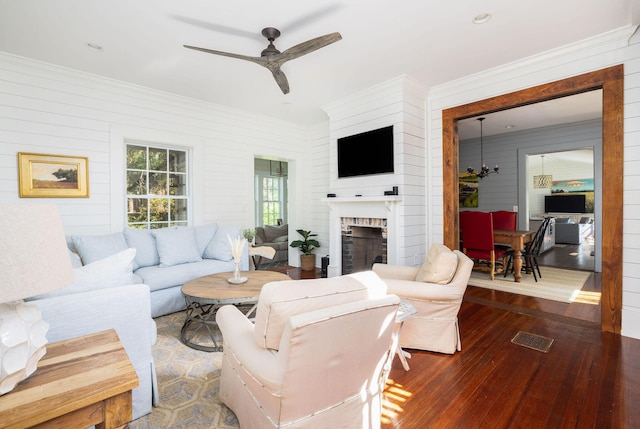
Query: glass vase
{"points": [[236, 273]]}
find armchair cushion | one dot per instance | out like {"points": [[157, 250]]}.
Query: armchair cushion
{"points": [[278, 301], [439, 266], [272, 233]]}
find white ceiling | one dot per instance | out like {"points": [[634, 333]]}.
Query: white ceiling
{"points": [[432, 41]]}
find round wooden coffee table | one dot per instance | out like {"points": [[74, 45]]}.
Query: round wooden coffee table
{"points": [[205, 295]]}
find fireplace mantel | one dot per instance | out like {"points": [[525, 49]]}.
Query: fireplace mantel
{"points": [[383, 206]]}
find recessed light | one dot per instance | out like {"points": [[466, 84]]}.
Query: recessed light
{"points": [[509, 126], [94, 46], [482, 18]]}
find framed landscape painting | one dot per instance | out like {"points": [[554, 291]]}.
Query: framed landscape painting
{"points": [[53, 176]]}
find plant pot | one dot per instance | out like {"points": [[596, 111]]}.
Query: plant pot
{"points": [[307, 262]]}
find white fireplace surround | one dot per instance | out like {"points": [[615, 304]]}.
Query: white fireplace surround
{"points": [[383, 207]]}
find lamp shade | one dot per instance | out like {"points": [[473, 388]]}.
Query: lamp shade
{"points": [[35, 258]]}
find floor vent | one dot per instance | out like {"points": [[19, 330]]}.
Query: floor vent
{"points": [[533, 341]]}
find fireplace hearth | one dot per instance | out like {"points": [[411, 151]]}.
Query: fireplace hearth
{"points": [[364, 242]]}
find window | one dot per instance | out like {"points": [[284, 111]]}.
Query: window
{"points": [[157, 187], [271, 200]]}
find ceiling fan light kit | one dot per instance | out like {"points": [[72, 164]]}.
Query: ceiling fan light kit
{"points": [[272, 59]]}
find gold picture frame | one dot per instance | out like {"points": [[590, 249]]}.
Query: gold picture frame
{"points": [[53, 176]]}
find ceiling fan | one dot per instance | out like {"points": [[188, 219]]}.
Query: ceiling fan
{"points": [[272, 58]]}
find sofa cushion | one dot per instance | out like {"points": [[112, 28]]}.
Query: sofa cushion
{"points": [[204, 235], [272, 232], [176, 246], [114, 270], [165, 277], [219, 247], [280, 300], [142, 240], [92, 248], [439, 266]]}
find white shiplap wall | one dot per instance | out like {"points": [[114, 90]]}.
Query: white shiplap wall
{"points": [[617, 47], [399, 102], [49, 109]]}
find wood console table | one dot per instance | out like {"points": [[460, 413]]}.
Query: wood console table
{"points": [[80, 382]]}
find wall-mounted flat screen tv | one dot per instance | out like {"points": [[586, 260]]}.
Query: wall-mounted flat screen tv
{"points": [[571, 203], [366, 153]]}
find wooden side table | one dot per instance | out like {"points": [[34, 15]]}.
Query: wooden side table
{"points": [[80, 382]]}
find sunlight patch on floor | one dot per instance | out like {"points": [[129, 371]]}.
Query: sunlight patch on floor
{"points": [[585, 297], [395, 396]]}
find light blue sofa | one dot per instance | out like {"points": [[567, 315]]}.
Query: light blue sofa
{"points": [[165, 258], [124, 280]]}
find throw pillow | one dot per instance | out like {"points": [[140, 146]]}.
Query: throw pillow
{"points": [[272, 232], [176, 246], [204, 235], [439, 266], [114, 270], [219, 248], [142, 240], [92, 248]]}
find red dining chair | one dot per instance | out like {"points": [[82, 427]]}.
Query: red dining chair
{"points": [[506, 220], [477, 239], [503, 219]]}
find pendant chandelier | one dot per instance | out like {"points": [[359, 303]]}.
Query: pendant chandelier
{"points": [[542, 180], [484, 171], [278, 168]]}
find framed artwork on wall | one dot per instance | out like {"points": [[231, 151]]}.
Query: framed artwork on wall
{"points": [[468, 189], [52, 176]]}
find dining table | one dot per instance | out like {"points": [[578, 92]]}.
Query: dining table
{"points": [[517, 239]]}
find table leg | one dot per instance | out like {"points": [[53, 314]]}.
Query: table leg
{"points": [[517, 264]]}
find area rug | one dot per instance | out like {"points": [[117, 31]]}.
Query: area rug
{"points": [[556, 284], [188, 382]]}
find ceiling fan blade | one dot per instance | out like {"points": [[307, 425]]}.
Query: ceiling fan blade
{"points": [[218, 27], [281, 79], [257, 60], [307, 47]]}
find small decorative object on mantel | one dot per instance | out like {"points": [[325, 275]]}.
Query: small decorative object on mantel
{"points": [[237, 245], [53, 176], [307, 245]]}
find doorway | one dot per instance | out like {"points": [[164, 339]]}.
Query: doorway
{"points": [[611, 81]]}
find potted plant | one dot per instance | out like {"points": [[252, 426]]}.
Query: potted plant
{"points": [[249, 234], [307, 245]]}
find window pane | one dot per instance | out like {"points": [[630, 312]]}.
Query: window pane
{"points": [[157, 159], [157, 183], [179, 210], [177, 184], [158, 210], [136, 157], [177, 161], [136, 183], [148, 175], [137, 210]]}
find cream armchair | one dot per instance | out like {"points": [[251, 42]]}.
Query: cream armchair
{"points": [[435, 326], [316, 357]]}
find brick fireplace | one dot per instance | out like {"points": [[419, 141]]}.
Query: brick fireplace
{"points": [[368, 225], [364, 242]]}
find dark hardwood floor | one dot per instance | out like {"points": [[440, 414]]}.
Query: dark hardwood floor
{"points": [[589, 378]]}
